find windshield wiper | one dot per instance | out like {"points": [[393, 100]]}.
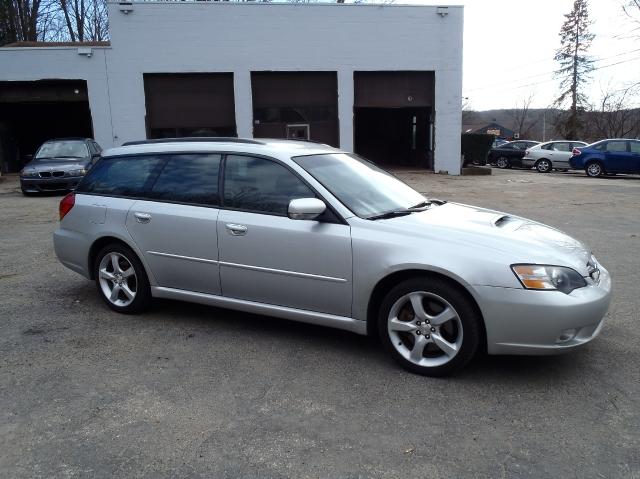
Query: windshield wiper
{"points": [[423, 204], [391, 214], [66, 156], [402, 212]]}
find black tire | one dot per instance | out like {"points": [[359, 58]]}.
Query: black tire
{"points": [[594, 169], [544, 166], [503, 162], [467, 318], [142, 297]]}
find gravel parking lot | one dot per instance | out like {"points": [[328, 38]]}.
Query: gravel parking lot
{"points": [[192, 391]]}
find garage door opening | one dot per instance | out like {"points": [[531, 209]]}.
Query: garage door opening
{"points": [[296, 105], [193, 104], [393, 136], [393, 118], [34, 112]]}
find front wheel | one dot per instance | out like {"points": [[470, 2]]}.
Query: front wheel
{"points": [[429, 326], [543, 166], [121, 279], [594, 169], [502, 162]]}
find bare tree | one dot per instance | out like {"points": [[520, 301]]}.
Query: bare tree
{"points": [[19, 20], [615, 115], [522, 120], [84, 19]]}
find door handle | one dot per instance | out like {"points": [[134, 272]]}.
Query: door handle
{"points": [[236, 230], [142, 217]]}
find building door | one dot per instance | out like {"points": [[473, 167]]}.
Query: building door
{"points": [[393, 117], [190, 104], [298, 105], [33, 112]]}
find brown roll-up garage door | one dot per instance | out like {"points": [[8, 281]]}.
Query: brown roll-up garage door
{"points": [[189, 104], [388, 89], [301, 105]]}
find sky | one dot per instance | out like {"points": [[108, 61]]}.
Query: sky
{"points": [[509, 47]]}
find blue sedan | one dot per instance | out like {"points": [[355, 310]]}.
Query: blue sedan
{"points": [[607, 157]]}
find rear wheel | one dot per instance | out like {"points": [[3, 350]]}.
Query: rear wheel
{"points": [[429, 326], [502, 162], [594, 169], [543, 166], [121, 279]]}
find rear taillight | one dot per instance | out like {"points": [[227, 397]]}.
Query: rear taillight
{"points": [[66, 204], [575, 152], [526, 153]]}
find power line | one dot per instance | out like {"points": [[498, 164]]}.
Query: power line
{"points": [[496, 85]]}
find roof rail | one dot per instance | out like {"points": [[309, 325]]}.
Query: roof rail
{"points": [[191, 139]]}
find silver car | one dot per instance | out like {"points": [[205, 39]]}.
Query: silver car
{"points": [[551, 155], [310, 233]]}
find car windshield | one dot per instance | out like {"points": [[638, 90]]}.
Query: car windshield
{"points": [[62, 150], [359, 184]]}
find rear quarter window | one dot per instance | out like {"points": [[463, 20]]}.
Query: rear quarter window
{"points": [[123, 176]]}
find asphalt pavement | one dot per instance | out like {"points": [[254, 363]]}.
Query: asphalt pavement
{"points": [[193, 391]]}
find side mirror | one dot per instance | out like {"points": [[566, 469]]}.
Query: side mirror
{"points": [[306, 208]]}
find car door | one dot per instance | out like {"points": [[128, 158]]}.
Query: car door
{"points": [[517, 153], [617, 158], [269, 258], [634, 149], [175, 226], [560, 154]]}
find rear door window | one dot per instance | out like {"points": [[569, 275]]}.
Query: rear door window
{"points": [[617, 146], [129, 176], [634, 146], [562, 146], [189, 178]]}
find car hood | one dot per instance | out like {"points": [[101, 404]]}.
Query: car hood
{"points": [[57, 164], [517, 239]]}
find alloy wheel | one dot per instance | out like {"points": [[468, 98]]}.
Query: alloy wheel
{"points": [[594, 169], [502, 163], [543, 166], [118, 280], [425, 329]]}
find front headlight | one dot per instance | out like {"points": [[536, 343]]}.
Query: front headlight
{"points": [[28, 173], [544, 277], [79, 172]]}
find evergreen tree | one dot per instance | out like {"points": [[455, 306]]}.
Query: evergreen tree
{"points": [[575, 66]]}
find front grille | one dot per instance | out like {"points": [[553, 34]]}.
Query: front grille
{"points": [[49, 174]]}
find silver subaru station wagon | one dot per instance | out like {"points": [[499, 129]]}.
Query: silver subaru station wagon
{"points": [[311, 233]]}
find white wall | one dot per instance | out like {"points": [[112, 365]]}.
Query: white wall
{"points": [[64, 63], [172, 37]]}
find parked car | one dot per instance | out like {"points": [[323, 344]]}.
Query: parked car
{"points": [[608, 157], [510, 154], [550, 155], [311, 233], [497, 142], [59, 165]]}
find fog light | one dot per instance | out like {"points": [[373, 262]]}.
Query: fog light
{"points": [[567, 335]]}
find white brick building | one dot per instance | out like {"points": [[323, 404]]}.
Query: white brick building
{"points": [[384, 81]]}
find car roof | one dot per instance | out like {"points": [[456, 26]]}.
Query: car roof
{"points": [[71, 138], [270, 147]]}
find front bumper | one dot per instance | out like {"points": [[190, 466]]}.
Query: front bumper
{"points": [[521, 321], [39, 185]]}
